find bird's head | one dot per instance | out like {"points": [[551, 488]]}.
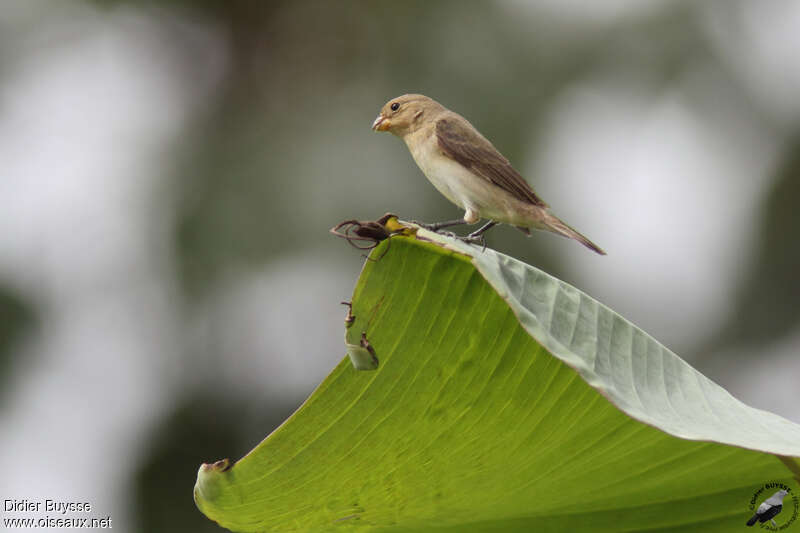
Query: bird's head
{"points": [[406, 114]]}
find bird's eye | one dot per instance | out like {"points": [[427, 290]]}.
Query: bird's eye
{"points": [[395, 106]]}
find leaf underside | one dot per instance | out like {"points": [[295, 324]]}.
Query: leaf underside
{"points": [[504, 400]]}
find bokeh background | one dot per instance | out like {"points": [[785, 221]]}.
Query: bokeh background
{"points": [[169, 171]]}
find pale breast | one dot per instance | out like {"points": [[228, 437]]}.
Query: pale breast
{"points": [[450, 178]]}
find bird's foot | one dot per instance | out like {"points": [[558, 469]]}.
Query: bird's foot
{"points": [[437, 226], [474, 238]]}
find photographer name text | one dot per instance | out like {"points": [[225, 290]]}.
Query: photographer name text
{"points": [[47, 506]]}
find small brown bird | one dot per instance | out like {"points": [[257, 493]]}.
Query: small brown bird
{"points": [[467, 169]]}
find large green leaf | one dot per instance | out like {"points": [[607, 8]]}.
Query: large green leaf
{"points": [[504, 400]]}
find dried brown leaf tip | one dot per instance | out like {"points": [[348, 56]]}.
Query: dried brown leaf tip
{"points": [[350, 318], [362, 355], [367, 234]]}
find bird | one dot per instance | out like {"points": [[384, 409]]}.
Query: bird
{"points": [[468, 170], [769, 509]]}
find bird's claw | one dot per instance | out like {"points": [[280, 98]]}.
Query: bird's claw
{"points": [[430, 227]]}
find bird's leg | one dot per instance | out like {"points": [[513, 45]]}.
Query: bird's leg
{"points": [[480, 231]]}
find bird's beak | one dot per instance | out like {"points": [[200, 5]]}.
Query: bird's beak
{"points": [[381, 123]]}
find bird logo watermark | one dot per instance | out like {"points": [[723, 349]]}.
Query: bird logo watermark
{"points": [[774, 507]]}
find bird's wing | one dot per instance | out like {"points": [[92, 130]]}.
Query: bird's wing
{"points": [[775, 499], [465, 145], [763, 508]]}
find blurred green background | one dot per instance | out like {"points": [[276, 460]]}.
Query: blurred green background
{"points": [[169, 291]]}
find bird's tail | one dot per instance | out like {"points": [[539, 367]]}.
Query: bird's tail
{"points": [[556, 225], [753, 520]]}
